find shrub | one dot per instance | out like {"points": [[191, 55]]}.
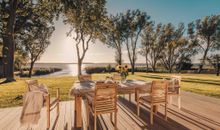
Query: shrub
{"points": [[90, 70], [45, 71]]}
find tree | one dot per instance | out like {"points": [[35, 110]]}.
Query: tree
{"points": [[206, 32], [36, 41], [156, 47], [113, 35], [214, 60], [148, 39], [86, 19], [174, 44], [21, 59], [15, 15], [7, 34], [134, 21]]}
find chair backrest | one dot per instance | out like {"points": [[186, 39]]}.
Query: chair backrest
{"points": [[176, 80], [159, 89], [83, 78], [117, 77], [32, 85], [105, 96]]}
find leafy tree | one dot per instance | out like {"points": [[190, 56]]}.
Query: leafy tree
{"points": [[21, 59], [214, 60], [147, 40], [156, 47], [173, 45], [15, 15], [206, 32], [35, 42], [134, 21], [86, 18], [7, 26], [113, 35]]}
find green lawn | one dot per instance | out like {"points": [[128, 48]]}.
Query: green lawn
{"points": [[11, 93]]}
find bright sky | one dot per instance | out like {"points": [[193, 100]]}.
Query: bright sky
{"points": [[62, 49]]}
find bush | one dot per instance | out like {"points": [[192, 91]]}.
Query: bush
{"points": [[40, 71], [45, 71], [91, 70]]}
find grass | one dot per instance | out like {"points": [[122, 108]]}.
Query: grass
{"points": [[11, 93]]}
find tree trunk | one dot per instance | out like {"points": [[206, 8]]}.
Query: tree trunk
{"points": [[218, 66], [203, 61], [120, 57], [9, 44], [170, 70], [31, 69], [132, 68], [204, 56], [146, 65], [218, 69], [79, 67]]}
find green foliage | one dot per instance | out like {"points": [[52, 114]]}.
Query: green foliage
{"points": [[91, 70], [134, 22], [214, 60], [86, 18], [205, 33], [109, 68]]}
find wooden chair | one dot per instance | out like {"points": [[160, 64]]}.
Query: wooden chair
{"points": [[158, 95], [51, 103], [83, 78], [174, 89], [102, 101]]}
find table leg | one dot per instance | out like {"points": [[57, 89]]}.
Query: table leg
{"points": [[129, 97], [78, 116]]}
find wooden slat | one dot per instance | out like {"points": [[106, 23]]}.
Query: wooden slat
{"points": [[193, 115], [14, 122], [61, 119], [9, 117]]}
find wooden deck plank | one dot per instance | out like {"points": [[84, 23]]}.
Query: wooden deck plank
{"points": [[194, 114], [61, 119], [15, 122], [9, 117]]}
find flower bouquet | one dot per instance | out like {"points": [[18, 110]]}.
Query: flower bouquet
{"points": [[123, 70]]}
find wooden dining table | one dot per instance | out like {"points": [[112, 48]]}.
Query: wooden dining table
{"points": [[80, 89]]}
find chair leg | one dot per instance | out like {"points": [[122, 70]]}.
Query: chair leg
{"points": [[95, 122], [115, 115], [87, 112], [151, 115], [166, 111], [179, 101], [111, 116], [48, 111], [138, 108]]}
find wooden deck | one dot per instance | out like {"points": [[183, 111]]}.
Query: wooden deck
{"points": [[197, 112]]}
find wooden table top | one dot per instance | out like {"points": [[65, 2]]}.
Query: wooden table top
{"points": [[129, 86]]}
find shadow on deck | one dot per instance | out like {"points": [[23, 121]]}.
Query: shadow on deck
{"points": [[182, 119]]}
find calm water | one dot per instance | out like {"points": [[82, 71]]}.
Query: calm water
{"points": [[70, 69], [67, 69]]}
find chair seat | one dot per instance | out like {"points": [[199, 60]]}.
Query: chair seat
{"points": [[149, 99]]}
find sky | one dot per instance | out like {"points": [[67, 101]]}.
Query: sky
{"points": [[62, 49]]}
